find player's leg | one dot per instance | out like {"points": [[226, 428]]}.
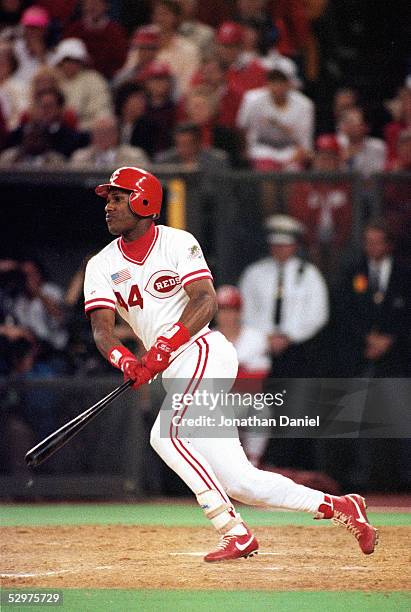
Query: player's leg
{"points": [[246, 483], [180, 455]]}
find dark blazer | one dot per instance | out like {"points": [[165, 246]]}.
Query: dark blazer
{"points": [[359, 312]]}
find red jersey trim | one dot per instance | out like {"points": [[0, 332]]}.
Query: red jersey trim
{"points": [[99, 300], [195, 272], [150, 248], [96, 306]]}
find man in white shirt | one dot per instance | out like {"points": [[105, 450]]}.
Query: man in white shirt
{"points": [[285, 297], [278, 122]]}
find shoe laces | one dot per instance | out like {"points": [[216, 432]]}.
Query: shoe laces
{"points": [[340, 518], [225, 541]]}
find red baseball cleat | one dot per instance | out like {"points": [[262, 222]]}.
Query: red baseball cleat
{"points": [[234, 547], [349, 511]]}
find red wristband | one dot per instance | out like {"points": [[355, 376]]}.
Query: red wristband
{"points": [[176, 336], [117, 354]]}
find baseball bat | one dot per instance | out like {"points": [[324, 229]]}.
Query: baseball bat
{"points": [[47, 447]]}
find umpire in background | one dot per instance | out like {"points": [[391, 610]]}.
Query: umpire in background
{"points": [[374, 320], [286, 297]]}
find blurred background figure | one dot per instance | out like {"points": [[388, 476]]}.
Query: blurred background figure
{"points": [[181, 55], [401, 123], [158, 84], [105, 150], [31, 46], [253, 358], [197, 32], [242, 74], [143, 49], [13, 91], [85, 90], [46, 122], [361, 153], [278, 123], [189, 152], [374, 310], [105, 39], [136, 128], [250, 343], [286, 298], [324, 207]]}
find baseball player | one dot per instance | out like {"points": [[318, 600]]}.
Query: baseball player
{"points": [[157, 279]]}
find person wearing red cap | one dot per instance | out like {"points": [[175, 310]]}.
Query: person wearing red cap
{"points": [[158, 83], [251, 345], [325, 207], [241, 75], [144, 47]]}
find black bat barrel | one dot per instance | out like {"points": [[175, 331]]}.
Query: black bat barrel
{"points": [[47, 447]]}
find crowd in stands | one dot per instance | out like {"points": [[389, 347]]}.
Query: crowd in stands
{"points": [[240, 72]]}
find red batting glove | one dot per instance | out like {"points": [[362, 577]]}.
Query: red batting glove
{"points": [[123, 359], [157, 359]]}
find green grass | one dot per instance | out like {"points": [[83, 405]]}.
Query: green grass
{"points": [[158, 514], [118, 600]]}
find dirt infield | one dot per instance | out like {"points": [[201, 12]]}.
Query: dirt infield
{"points": [[134, 557]]}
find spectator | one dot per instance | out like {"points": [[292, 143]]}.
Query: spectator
{"points": [[361, 153], [344, 99], [47, 118], [136, 128], [294, 31], [250, 343], [85, 90], [285, 297], [105, 150], [202, 109], [31, 46], [39, 308], [13, 93], [60, 10], [402, 123], [324, 207], [190, 153], [182, 56], [402, 159], [35, 151], [241, 75], [255, 12], [253, 357], [144, 47], [105, 39], [161, 108], [374, 314], [47, 78], [212, 75], [278, 123], [194, 30]]}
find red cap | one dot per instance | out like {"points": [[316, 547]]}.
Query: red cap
{"points": [[230, 33], [156, 70], [229, 296], [328, 142], [35, 16], [146, 36]]}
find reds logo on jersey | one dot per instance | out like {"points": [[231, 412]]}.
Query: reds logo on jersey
{"points": [[163, 284]]}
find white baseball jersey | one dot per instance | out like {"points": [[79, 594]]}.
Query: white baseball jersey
{"points": [[148, 294]]}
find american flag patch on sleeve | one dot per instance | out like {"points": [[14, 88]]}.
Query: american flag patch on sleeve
{"points": [[121, 276]]}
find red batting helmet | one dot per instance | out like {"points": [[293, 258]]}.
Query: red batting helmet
{"points": [[229, 296], [145, 189]]}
